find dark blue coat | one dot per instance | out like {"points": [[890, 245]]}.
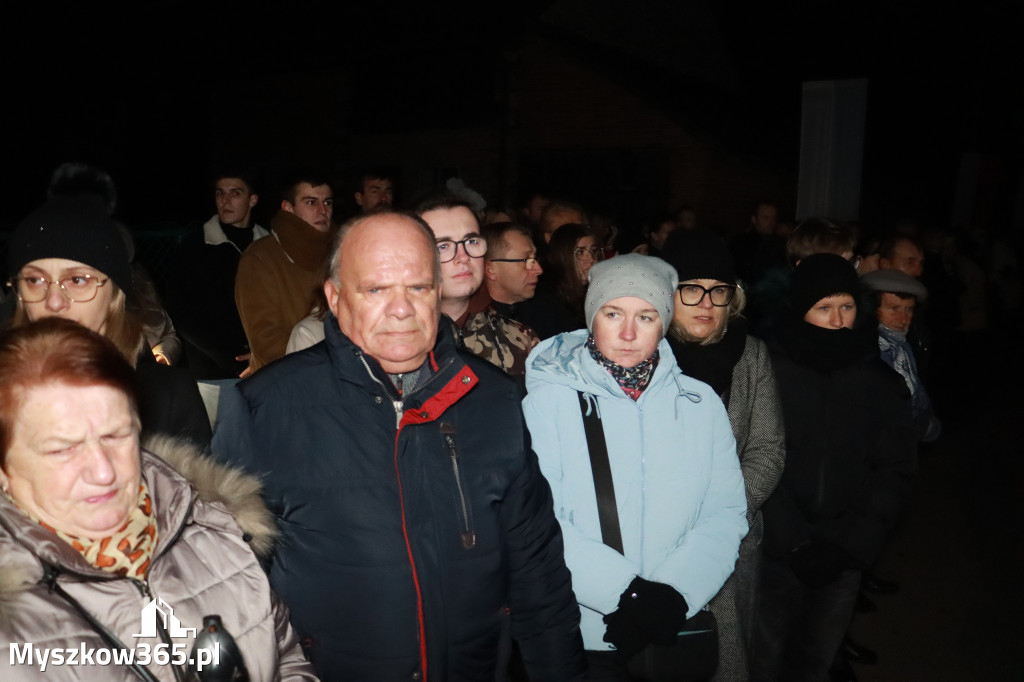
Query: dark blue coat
{"points": [[439, 524]]}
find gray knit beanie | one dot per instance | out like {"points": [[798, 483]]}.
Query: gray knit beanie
{"points": [[646, 277]]}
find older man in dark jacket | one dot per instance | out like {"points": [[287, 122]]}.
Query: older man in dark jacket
{"points": [[418, 532]]}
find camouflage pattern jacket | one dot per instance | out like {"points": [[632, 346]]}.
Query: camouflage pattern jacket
{"points": [[500, 340]]}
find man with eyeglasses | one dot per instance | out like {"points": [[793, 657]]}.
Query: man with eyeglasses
{"points": [[511, 267], [484, 332]]}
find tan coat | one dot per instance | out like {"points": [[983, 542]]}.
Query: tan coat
{"points": [[202, 565], [274, 286]]}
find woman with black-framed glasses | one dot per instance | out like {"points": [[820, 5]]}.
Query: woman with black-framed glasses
{"points": [[709, 338], [68, 259]]}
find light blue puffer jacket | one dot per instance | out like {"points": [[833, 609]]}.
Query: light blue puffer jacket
{"points": [[678, 485]]}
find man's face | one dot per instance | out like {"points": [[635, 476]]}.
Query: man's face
{"points": [[764, 219], [234, 201], [514, 282], [463, 275], [895, 312], [386, 300], [906, 258], [315, 205], [376, 192]]}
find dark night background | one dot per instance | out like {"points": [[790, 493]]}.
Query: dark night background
{"points": [[158, 92]]}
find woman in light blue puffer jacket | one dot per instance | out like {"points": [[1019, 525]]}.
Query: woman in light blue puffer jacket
{"points": [[677, 481]]}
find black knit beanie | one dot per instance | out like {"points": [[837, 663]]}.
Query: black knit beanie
{"points": [[820, 276], [73, 228], [699, 254]]}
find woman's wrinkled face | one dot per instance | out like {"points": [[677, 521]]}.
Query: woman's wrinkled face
{"points": [[627, 330], [704, 319], [91, 314], [73, 461], [833, 312]]}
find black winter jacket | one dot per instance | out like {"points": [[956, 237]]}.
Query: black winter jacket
{"points": [[851, 453], [397, 522]]}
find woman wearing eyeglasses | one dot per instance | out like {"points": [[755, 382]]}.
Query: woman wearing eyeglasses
{"points": [[68, 260], [709, 339], [558, 304]]}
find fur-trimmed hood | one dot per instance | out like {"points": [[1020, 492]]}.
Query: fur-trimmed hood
{"points": [[239, 492], [179, 475]]}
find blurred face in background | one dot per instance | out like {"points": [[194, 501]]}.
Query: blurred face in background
{"points": [[376, 192], [586, 254], [907, 258]]}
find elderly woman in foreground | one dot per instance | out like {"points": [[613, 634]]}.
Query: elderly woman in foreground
{"points": [[96, 533], [671, 477]]}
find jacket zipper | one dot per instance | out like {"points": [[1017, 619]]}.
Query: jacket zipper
{"points": [[143, 587], [165, 637], [399, 407], [467, 534]]}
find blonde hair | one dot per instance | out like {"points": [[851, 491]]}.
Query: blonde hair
{"points": [[736, 306], [123, 329]]}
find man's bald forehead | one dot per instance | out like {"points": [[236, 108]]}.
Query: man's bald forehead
{"points": [[380, 229]]}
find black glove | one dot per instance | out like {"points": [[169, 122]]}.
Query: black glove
{"points": [[656, 608], [624, 635], [817, 564]]}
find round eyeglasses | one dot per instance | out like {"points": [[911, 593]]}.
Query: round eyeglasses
{"points": [[475, 246], [76, 288], [692, 294], [594, 252], [528, 263]]}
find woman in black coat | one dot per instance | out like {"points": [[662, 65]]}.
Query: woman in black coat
{"points": [[67, 259], [850, 459]]}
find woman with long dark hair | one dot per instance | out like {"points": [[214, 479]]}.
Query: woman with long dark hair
{"points": [[558, 304]]}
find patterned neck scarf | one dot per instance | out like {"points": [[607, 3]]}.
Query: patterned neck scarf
{"points": [[633, 380], [127, 552]]}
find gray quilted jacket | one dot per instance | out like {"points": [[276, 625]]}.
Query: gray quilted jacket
{"points": [[204, 564]]}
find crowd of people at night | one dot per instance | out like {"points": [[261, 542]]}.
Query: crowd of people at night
{"points": [[448, 441]]}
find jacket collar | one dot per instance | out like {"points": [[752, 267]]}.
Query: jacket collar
{"points": [[303, 244], [354, 365], [564, 360], [213, 233]]}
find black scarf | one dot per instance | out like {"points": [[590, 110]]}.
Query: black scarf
{"points": [[713, 364], [827, 350], [632, 379]]}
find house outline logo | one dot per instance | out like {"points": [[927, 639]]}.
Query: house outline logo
{"points": [[158, 608]]}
